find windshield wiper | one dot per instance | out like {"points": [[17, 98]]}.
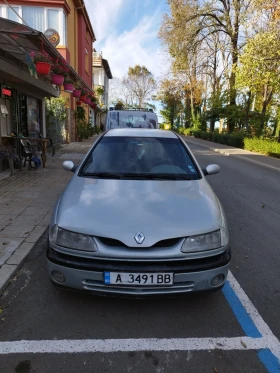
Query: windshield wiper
{"points": [[144, 176], [104, 175], [169, 177], [148, 176]]}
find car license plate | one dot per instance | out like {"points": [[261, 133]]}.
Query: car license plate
{"points": [[158, 279]]}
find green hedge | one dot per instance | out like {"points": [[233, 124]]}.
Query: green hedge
{"points": [[267, 147], [184, 131], [235, 140]]}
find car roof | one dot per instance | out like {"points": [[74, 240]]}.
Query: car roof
{"points": [[140, 132]]}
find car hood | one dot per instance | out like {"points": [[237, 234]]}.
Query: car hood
{"points": [[121, 208]]}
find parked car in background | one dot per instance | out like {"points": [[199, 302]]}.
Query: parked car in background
{"points": [[139, 218], [133, 118]]}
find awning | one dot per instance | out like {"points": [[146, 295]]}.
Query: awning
{"points": [[18, 40]]}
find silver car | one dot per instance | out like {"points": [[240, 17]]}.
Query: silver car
{"points": [[138, 218]]}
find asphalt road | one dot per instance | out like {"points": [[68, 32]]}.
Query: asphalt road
{"points": [[35, 310]]}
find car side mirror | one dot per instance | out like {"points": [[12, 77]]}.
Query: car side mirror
{"points": [[69, 166], [211, 169]]}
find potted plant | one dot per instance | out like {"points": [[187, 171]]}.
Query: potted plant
{"points": [[59, 72], [83, 96], [88, 99], [42, 62], [68, 85], [77, 91], [80, 116]]}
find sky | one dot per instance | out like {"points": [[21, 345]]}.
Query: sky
{"points": [[126, 33]]}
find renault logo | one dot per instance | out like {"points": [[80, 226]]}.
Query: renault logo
{"points": [[139, 237]]}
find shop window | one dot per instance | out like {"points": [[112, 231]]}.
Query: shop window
{"points": [[12, 15]]}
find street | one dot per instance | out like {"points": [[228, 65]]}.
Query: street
{"points": [[176, 335]]}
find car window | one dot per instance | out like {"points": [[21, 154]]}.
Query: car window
{"points": [[132, 119], [140, 156]]}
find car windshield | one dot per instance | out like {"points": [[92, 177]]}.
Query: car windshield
{"points": [[132, 119], [140, 157]]}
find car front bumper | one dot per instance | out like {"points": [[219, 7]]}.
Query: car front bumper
{"points": [[189, 275]]}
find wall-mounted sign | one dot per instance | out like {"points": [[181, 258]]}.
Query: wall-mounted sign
{"points": [[6, 92], [53, 36]]}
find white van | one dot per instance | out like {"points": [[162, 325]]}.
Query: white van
{"points": [[140, 118]]}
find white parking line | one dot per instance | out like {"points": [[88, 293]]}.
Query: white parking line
{"points": [[261, 325], [124, 345], [264, 344]]}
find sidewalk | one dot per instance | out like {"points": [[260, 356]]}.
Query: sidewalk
{"points": [[26, 203], [257, 158]]}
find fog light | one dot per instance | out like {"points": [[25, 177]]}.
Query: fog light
{"points": [[58, 276], [218, 280]]}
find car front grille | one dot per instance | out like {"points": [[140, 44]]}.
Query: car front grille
{"points": [[111, 242], [176, 288], [176, 266]]}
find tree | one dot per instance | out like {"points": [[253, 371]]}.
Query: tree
{"points": [[171, 99], [119, 92], [259, 70], [192, 23], [140, 83]]}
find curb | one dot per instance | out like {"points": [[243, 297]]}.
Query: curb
{"points": [[225, 152], [15, 262]]}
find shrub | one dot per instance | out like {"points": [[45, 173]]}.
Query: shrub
{"points": [[187, 131], [235, 140], [263, 146], [197, 134]]}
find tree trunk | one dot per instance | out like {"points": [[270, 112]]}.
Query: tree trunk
{"points": [[266, 100], [248, 104], [232, 89]]}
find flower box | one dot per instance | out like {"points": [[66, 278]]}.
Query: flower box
{"points": [[77, 93], [57, 79], [43, 68], [68, 87]]}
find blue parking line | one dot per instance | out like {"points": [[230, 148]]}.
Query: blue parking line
{"points": [[241, 314], [270, 361]]}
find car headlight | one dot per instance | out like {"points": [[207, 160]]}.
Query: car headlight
{"points": [[202, 242], [71, 240]]}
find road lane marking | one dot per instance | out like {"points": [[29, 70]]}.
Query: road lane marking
{"points": [[259, 337], [125, 345], [269, 361], [240, 312], [243, 157], [252, 323]]}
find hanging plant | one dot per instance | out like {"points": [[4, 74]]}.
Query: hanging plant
{"points": [[42, 62], [88, 99], [83, 96], [77, 89], [60, 71], [68, 85]]}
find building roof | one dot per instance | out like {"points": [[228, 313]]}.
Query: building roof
{"points": [[81, 7], [107, 68], [17, 41]]}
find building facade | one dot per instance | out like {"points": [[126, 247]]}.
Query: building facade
{"points": [[70, 25], [101, 77]]}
